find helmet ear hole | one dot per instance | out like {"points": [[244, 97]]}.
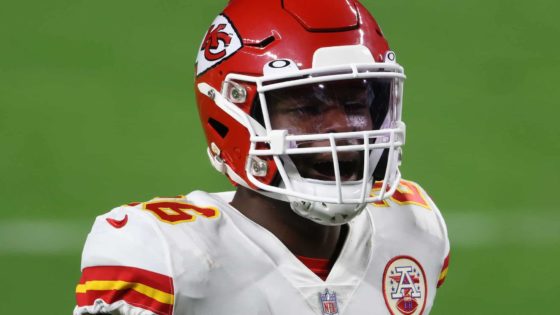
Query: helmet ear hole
{"points": [[220, 128]]}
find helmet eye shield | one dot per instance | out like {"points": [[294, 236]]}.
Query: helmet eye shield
{"points": [[323, 107]]}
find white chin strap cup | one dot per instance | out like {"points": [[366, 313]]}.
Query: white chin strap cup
{"points": [[326, 213]]}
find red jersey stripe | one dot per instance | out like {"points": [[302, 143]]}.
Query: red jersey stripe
{"points": [[443, 273], [131, 297], [128, 274], [138, 287], [446, 262]]}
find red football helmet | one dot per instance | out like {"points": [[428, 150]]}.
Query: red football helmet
{"points": [[312, 53]]}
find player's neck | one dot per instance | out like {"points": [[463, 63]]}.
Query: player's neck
{"points": [[301, 236]]}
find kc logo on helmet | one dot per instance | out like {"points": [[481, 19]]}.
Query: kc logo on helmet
{"points": [[220, 42]]}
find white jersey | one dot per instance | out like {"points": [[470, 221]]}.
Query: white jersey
{"points": [[197, 255]]}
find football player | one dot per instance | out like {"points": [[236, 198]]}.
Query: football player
{"points": [[300, 102]]}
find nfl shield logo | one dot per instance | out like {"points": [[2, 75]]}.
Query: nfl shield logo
{"points": [[328, 302]]}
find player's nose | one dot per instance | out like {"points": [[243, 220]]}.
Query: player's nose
{"points": [[336, 119]]}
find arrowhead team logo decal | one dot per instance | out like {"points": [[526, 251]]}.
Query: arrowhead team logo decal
{"points": [[220, 42], [328, 302], [404, 286]]}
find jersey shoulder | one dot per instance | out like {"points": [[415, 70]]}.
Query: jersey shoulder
{"points": [[125, 266], [139, 250], [409, 199], [410, 210], [128, 236]]}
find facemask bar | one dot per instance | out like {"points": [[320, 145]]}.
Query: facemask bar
{"points": [[278, 139], [277, 142]]}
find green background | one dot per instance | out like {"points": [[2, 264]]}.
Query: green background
{"points": [[97, 109]]}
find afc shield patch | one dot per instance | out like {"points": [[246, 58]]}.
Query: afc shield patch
{"points": [[220, 42], [404, 286], [328, 302]]}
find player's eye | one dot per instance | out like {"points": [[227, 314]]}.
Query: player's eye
{"points": [[356, 107], [306, 109]]}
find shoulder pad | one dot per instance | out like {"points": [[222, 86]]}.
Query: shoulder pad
{"points": [[125, 267], [126, 237], [412, 209]]}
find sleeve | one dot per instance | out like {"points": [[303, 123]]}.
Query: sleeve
{"points": [[443, 273], [444, 259], [125, 267]]}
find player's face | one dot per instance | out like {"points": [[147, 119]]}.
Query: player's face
{"points": [[334, 107]]}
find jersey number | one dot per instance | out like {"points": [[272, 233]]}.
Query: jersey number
{"points": [[177, 212], [407, 193]]}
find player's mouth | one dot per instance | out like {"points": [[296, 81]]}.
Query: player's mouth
{"points": [[322, 167]]}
